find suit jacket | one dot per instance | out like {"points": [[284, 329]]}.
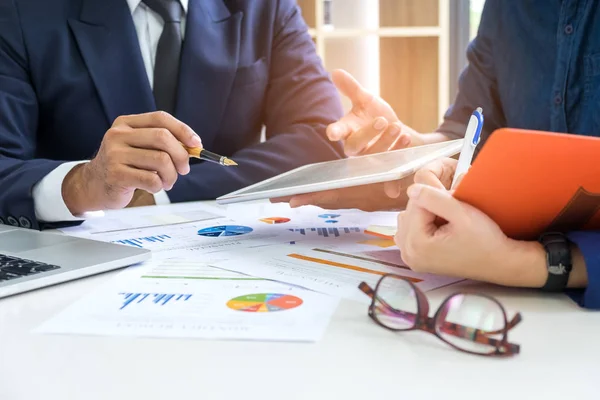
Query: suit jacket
{"points": [[69, 68]]}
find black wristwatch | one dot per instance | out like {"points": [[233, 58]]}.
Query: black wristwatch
{"points": [[558, 260]]}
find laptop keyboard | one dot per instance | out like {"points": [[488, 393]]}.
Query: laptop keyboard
{"points": [[15, 267]]}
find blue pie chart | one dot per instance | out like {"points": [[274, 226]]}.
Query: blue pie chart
{"points": [[224, 230], [329, 216]]}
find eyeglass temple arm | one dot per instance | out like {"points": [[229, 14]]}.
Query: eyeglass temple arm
{"points": [[481, 336], [465, 332]]}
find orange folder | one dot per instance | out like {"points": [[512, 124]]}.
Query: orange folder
{"points": [[530, 182]]}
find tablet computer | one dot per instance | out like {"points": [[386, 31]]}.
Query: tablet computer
{"points": [[347, 172]]}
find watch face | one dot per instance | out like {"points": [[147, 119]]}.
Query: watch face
{"points": [[557, 269]]}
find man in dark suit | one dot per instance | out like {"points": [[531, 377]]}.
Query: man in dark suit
{"points": [[96, 98]]}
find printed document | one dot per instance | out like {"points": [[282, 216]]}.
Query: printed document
{"points": [[189, 299]]}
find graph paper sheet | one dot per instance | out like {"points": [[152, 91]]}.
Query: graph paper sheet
{"points": [[190, 299]]}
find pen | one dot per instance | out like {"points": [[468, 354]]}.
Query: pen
{"points": [[472, 137], [206, 155]]}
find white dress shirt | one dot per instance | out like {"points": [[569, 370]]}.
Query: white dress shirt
{"points": [[47, 193]]}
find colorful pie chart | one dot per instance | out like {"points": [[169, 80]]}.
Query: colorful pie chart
{"points": [[264, 302], [224, 230], [275, 220]]}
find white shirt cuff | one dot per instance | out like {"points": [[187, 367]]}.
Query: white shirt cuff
{"points": [[48, 202], [161, 198]]}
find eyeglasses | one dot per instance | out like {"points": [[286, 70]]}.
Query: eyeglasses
{"points": [[471, 322]]}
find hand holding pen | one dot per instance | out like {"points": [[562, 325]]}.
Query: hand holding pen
{"points": [[446, 173], [146, 152]]}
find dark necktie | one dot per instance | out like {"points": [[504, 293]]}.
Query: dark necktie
{"points": [[168, 53]]}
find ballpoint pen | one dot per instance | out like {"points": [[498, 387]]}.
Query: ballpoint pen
{"points": [[472, 137], [206, 155]]}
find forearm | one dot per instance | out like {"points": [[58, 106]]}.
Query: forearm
{"points": [[437, 137]]}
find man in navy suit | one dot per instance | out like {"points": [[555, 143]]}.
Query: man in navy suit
{"points": [[96, 98]]}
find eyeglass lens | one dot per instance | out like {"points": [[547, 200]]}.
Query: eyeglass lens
{"points": [[464, 316], [396, 304]]}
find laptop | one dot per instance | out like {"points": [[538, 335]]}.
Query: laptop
{"points": [[31, 259]]}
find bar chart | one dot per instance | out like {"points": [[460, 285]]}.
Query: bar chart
{"points": [[141, 242], [159, 299], [326, 232]]}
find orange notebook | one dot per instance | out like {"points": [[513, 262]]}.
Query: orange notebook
{"points": [[532, 181]]}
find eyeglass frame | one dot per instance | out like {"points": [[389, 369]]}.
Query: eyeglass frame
{"points": [[428, 324]]}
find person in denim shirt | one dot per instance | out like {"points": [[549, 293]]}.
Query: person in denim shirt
{"points": [[533, 65]]}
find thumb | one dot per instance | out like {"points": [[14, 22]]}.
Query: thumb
{"points": [[351, 88]]}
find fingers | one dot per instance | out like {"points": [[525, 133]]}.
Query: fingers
{"points": [[401, 231], [163, 120], [438, 174], [159, 139], [365, 198], [387, 139], [339, 130], [397, 188], [130, 177], [350, 88], [416, 226], [436, 201], [328, 199], [281, 199], [419, 221], [393, 189], [360, 139], [153, 160]]}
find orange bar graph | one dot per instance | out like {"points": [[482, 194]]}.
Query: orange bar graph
{"points": [[385, 232], [345, 266]]}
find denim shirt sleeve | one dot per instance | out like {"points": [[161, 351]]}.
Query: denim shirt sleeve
{"points": [[477, 84], [589, 245]]}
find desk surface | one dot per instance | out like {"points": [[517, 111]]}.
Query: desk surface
{"points": [[355, 360]]}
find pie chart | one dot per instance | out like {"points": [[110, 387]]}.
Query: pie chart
{"points": [[275, 220], [224, 230], [329, 216], [264, 302]]}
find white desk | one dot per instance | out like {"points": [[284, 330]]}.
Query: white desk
{"points": [[356, 359]]}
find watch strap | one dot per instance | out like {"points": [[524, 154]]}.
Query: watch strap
{"points": [[558, 261]]}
